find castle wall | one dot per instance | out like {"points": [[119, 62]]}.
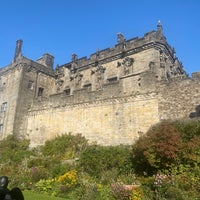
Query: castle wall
{"points": [[179, 99], [10, 79], [34, 85], [117, 119], [107, 122]]}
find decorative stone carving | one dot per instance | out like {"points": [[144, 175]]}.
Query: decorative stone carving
{"points": [[99, 72], [74, 64], [162, 60], [152, 66], [59, 77], [74, 57], [127, 64], [78, 79], [120, 38]]}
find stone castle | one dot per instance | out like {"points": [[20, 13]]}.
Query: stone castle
{"points": [[111, 98]]}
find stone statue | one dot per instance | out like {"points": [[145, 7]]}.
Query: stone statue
{"points": [[120, 38]]}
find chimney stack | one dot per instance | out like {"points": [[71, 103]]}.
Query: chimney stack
{"points": [[18, 49]]}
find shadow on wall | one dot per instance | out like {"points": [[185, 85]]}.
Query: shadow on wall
{"points": [[195, 114]]}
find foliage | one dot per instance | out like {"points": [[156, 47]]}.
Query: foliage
{"points": [[56, 186], [190, 135], [65, 147], [38, 173], [122, 191], [46, 186], [136, 194], [69, 179], [167, 144], [119, 192], [95, 160], [188, 128], [169, 157], [164, 162], [14, 150], [158, 149]]}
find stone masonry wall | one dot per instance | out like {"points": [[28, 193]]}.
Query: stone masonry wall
{"points": [[33, 81], [116, 120], [107, 122], [9, 88], [179, 99]]}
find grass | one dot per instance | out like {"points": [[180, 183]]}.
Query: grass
{"points": [[28, 195]]}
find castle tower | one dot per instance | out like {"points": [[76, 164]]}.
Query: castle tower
{"points": [[18, 49]]}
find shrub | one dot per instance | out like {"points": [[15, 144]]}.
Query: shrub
{"points": [[95, 160], [69, 179], [47, 186], [188, 128], [38, 173], [136, 194], [14, 150], [119, 192], [158, 149], [174, 193], [65, 147]]}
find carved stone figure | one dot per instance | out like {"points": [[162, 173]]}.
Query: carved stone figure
{"points": [[120, 38], [74, 57], [127, 64], [152, 66], [162, 60], [59, 78], [99, 72], [78, 77]]}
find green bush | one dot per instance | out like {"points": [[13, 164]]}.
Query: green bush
{"points": [[14, 150], [95, 160], [65, 147], [188, 128], [169, 157], [174, 193]]}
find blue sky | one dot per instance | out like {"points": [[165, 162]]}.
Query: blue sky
{"points": [[64, 27]]}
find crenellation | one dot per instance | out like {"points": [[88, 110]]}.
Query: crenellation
{"points": [[196, 75], [135, 45]]}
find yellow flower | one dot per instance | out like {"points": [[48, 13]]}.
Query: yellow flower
{"points": [[69, 178]]}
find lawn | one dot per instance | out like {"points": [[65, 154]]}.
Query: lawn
{"points": [[28, 195]]}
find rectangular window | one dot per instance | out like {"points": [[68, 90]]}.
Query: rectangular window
{"points": [[30, 85], [1, 128], [67, 91], [40, 91], [88, 85], [112, 79], [4, 107]]}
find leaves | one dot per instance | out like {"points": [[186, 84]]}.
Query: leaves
{"points": [[167, 144]]}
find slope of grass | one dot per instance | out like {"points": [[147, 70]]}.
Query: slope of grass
{"points": [[28, 195]]}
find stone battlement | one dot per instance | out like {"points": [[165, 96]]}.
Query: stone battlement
{"points": [[130, 46]]}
